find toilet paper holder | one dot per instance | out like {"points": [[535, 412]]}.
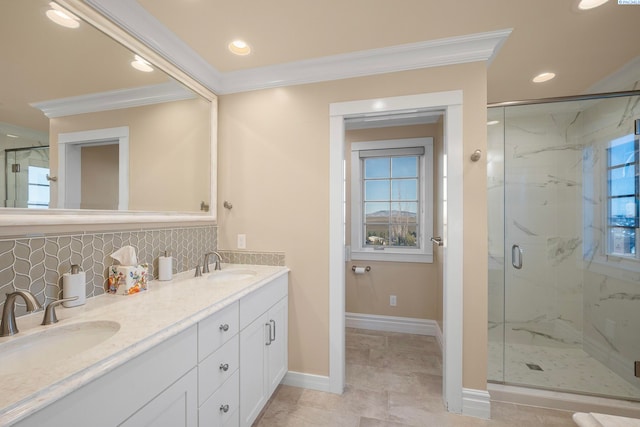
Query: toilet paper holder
{"points": [[367, 268]]}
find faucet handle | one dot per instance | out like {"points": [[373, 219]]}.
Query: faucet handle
{"points": [[50, 311]]}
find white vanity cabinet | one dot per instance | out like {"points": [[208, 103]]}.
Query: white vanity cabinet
{"points": [[218, 376], [156, 388], [263, 346]]}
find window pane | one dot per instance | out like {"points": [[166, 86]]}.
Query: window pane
{"points": [[622, 241], [404, 212], [404, 189], [623, 211], [404, 235], [622, 181], [377, 167], [376, 190], [622, 153], [38, 175], [404, 167], [376, 234], [376, 212], [38, 195]]}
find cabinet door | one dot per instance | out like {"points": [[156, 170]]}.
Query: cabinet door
{"points": [[175, 407], [253, 369], [277, 352]]}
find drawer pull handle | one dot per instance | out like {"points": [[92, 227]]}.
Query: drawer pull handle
{"points": [[224, 367], [269, 339], [224, 408], [273, 322], [224, 327]]}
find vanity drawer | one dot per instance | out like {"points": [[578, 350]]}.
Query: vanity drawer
{"points": [[217, 329], [217, 368], [261, 300], [222, 408]]}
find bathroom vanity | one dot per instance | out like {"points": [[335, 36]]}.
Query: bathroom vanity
{"points": [[192, 351]]}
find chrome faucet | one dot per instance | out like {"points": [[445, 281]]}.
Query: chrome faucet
{"points": [[205, 267], [8, 325], [50, 312]]}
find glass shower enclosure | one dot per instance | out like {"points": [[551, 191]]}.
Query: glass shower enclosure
{"points": [[564, 269]]}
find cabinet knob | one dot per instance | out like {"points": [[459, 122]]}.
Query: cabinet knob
{"points": [[224, 367], [224, 327], [224, 408]]}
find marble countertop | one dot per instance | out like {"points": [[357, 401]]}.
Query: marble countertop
{"points": [[146, 319], [593, 419]]}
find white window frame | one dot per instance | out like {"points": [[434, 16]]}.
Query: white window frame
{"points": [[424, 252]]}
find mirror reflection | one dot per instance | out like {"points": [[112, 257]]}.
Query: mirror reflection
{"points": [[86, 124]]}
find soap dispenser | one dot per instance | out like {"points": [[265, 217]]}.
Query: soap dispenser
{"points": [[74, 285], [165, 266]]}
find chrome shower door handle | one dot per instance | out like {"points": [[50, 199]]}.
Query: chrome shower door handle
{"points": [[516, 257]]}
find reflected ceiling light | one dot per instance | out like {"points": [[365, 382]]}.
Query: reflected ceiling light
{"points": [[10, 135], [378, 105], [543, 77], [62, 17], [239, 47], [141, 65], [492, 122], [590, 4]]}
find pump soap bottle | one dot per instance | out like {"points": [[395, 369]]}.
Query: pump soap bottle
{"points": [[74, 285], [165, 266]]}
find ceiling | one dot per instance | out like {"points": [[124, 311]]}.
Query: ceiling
{"points": [[581, 47]]}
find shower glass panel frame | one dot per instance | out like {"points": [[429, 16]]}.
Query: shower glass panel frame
{"points": [[564, 308]]}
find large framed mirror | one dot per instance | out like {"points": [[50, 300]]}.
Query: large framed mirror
{"points": [[91, 120]]}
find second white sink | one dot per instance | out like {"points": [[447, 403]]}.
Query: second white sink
{"points": [[21, 354]]}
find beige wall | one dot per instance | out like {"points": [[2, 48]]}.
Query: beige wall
{"points": [[169, 152], [414, 284], [273, 166], [99, 177]]}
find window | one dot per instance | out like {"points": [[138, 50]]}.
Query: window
{"points": [[622, 197], [38, 184], [392, 200]]}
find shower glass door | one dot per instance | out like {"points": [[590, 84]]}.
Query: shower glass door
{"points": [[26, 171], [564, 279]]}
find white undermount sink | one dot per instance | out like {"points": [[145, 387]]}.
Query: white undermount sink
{"points": [[231, 275], [22, 354]]}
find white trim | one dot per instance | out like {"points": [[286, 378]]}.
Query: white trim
{"points": [[431, 53], [405, 325], [310, 381], [69, 145], [476, 403], [451, 103], [132, 17], [113, 100]]}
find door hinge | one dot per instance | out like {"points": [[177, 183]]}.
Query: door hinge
{"points": [[15, 168], [636, 370]]}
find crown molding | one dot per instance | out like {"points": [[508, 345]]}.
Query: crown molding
{"points": [[432, 53], [113, 100], [133, 18]]}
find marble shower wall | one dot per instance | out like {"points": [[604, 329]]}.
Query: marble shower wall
{"points": [[37, 264], [567, 293]]}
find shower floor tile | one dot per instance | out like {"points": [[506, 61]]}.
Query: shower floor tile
{"points": [[563, 369]]}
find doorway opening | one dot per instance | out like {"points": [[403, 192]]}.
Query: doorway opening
{"points": [[449, 104]]}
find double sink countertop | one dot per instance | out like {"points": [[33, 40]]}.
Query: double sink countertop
{"points": [[145, 320]]}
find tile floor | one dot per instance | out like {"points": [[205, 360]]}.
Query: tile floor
{"points": [[393, 380]]}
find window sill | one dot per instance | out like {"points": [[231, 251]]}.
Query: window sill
{"points": [[619, 268], [392, 256]]}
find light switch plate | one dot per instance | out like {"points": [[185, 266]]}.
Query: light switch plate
{"points": [[242, 241]]}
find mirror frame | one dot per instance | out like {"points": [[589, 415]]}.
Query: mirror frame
{"points": [[15, 221]]}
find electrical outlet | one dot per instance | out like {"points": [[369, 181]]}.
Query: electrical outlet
{"points": [[242, 241], [392, 300]]}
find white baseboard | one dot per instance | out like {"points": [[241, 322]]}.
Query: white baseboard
{"points": [[310, 381], [476, 403], [405, 325]]}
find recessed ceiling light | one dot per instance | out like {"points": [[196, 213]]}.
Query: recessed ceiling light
{"points": [[492, 122], [543, 77], [239, 47], [62, 17], [141, 65], [590, 4]]}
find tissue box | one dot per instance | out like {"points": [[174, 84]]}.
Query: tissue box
{"points": [[128, 279]]}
